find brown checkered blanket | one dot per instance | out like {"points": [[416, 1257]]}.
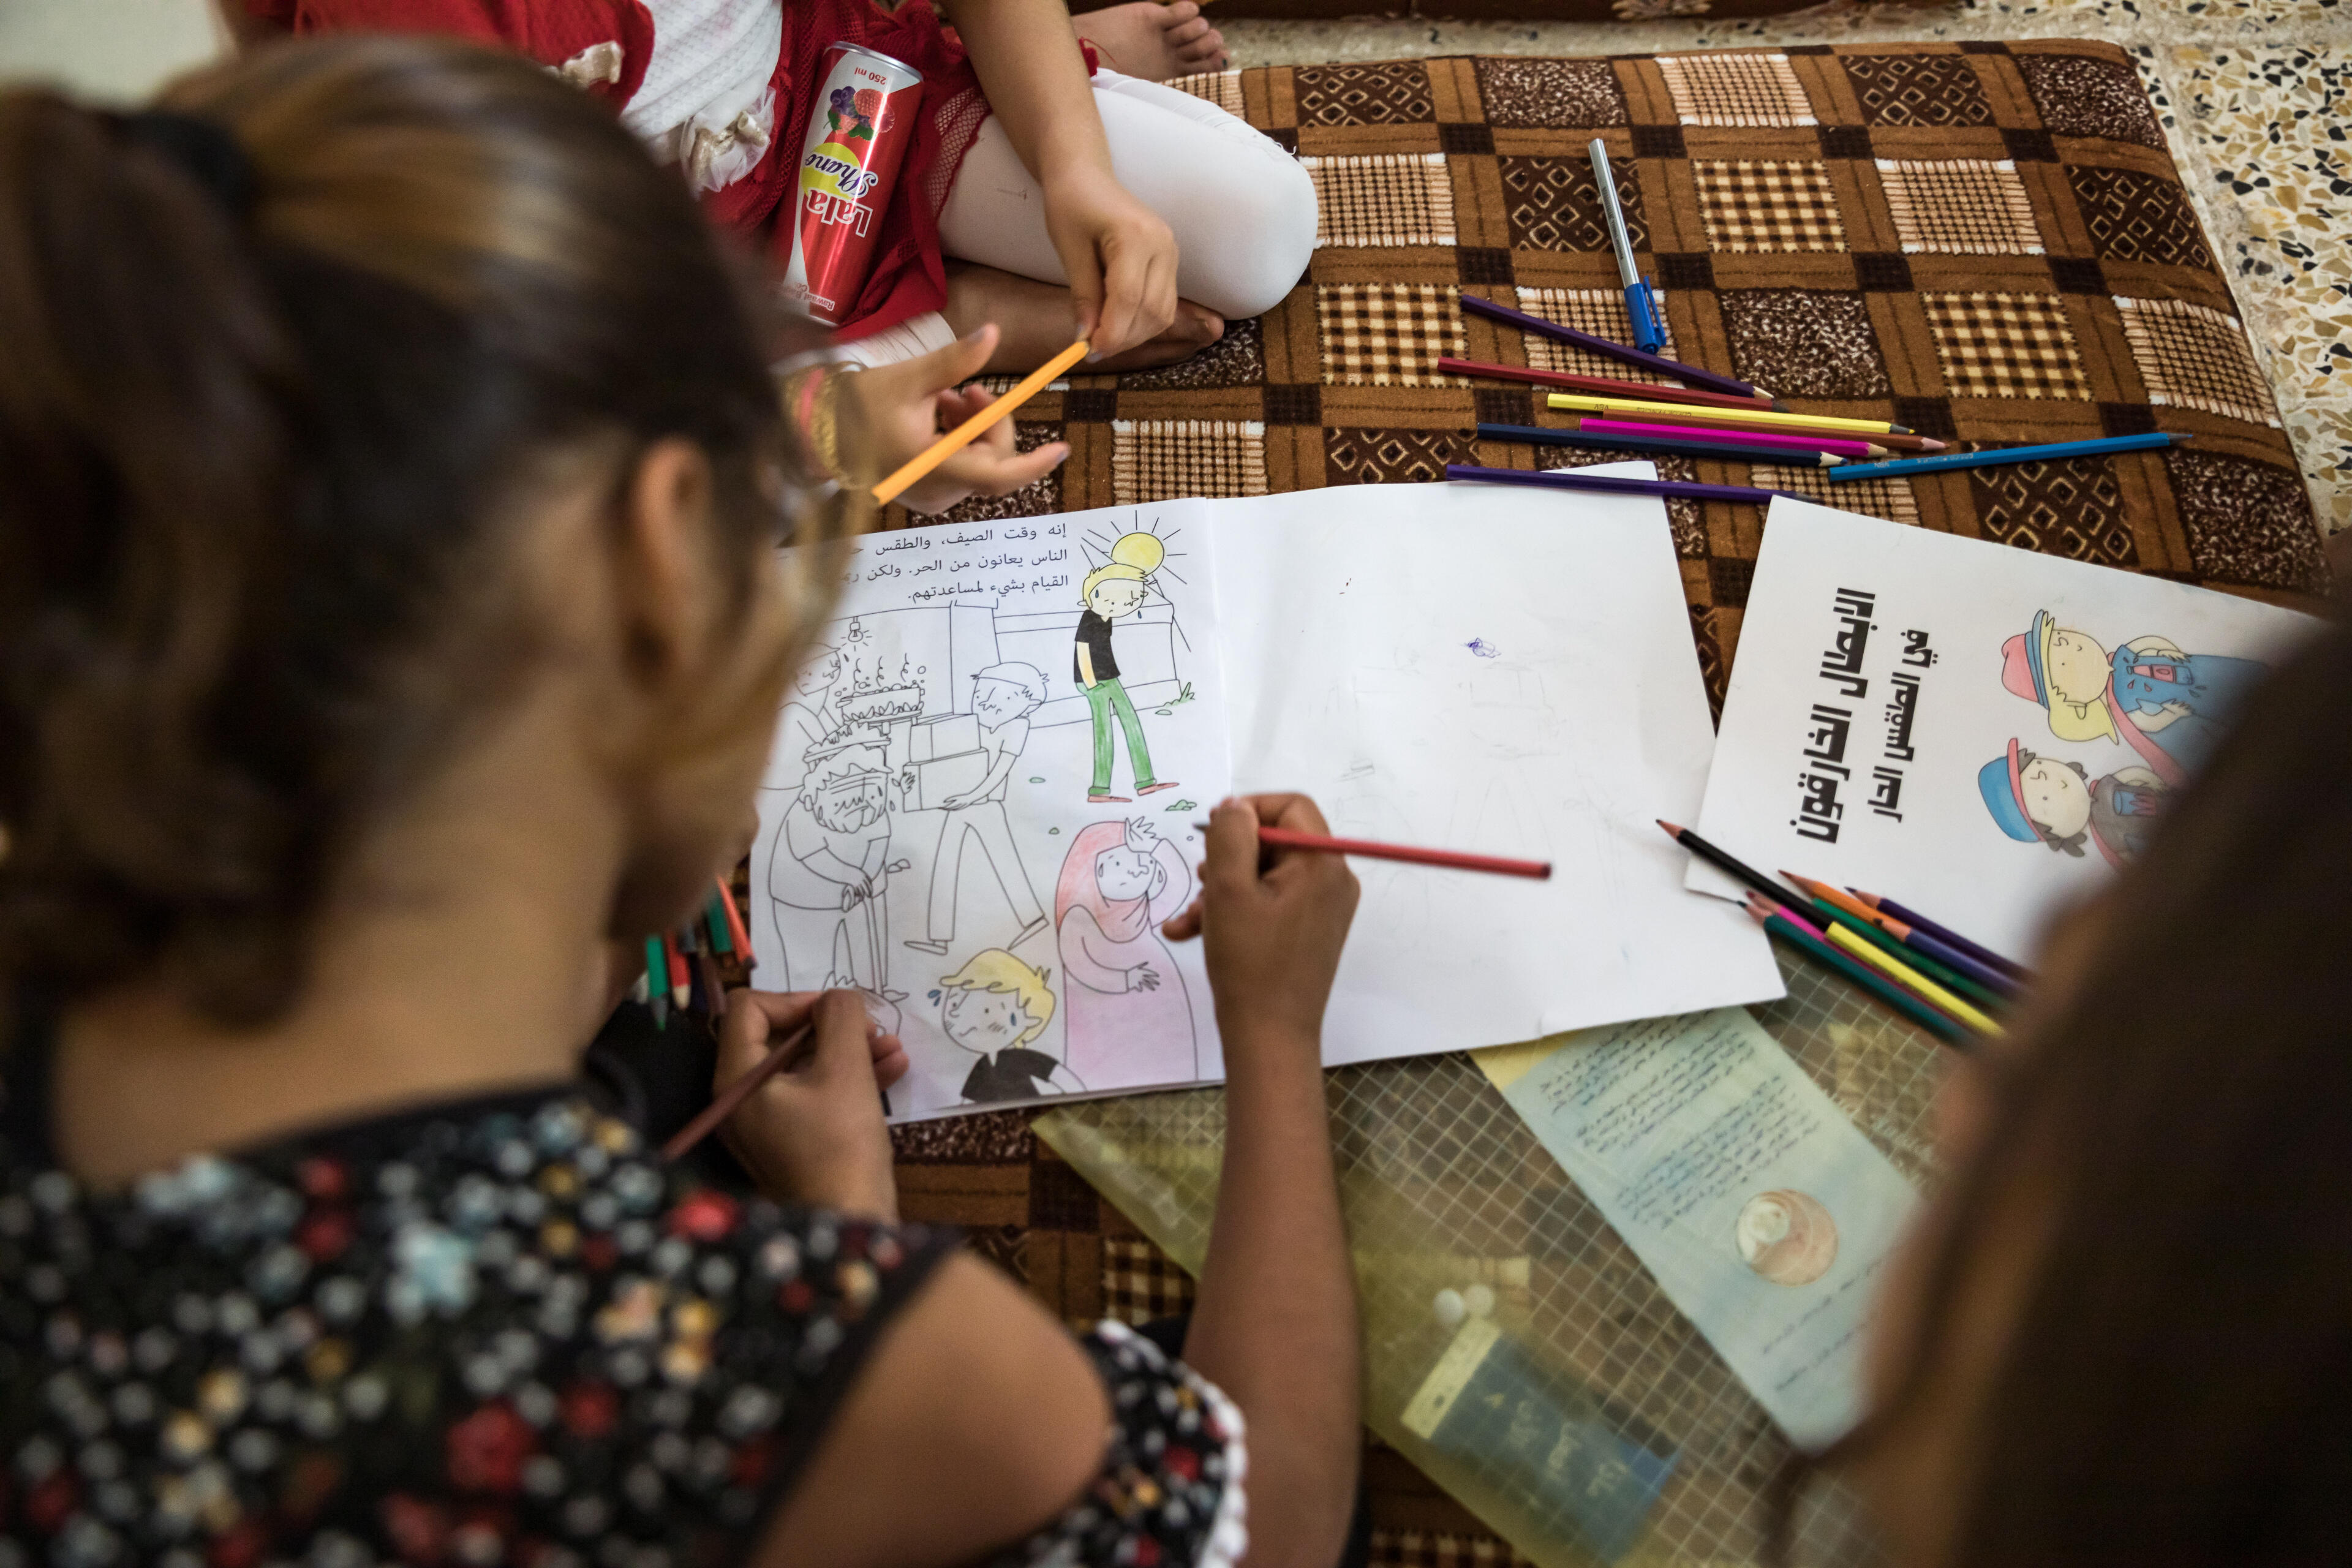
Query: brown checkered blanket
{"points": [[1984, 242]]}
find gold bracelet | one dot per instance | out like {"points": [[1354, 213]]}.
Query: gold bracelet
{"points": [[825, 428]]}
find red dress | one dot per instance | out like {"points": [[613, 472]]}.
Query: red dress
{"points": [[908, 277]]}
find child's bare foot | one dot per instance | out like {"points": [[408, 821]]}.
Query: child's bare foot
{"points": [[1034, 323], [1153, 41]]}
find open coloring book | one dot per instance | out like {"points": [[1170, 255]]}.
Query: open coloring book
{"points": [[979, 802]]}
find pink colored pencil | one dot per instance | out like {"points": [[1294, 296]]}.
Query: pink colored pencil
{"points": [[1722, 436]]}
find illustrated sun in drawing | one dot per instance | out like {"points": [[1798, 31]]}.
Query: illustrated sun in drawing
{"points": [[1787, 1237]]}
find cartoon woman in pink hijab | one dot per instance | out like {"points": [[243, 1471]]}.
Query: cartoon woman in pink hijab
{"points": [[1130, 1019]]}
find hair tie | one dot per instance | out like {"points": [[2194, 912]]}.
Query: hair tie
{"points": [[203, 151]]}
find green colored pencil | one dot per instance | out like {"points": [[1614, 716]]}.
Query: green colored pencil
{"points": [[1770, 918], [1940, 972]]}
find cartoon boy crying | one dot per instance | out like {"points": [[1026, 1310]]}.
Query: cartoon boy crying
{"points": [[993, 1009]]}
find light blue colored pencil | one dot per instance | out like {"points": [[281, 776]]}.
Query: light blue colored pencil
{"points": [[2003, 455]]}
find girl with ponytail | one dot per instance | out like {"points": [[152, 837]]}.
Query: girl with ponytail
{"points": [[392, 623]]}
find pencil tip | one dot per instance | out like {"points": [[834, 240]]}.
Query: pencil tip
{"points": [[1805, 882], [1672, 830]]}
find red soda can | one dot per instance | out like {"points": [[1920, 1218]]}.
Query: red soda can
{"points": [[849, 160]]}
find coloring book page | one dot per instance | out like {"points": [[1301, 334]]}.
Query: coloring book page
{"points": [[978, 807], [1501, 671], [1766, 1216], [1979, 732]]}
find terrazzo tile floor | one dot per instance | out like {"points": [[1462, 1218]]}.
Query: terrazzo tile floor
{"points": [[2252, 94]]}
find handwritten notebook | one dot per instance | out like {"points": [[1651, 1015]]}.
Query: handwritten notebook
{"points": [[979, 806], [1977, 731]]}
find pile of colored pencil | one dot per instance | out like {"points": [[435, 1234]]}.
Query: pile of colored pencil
{"points": [[1954, 988], [682, 965], [1716, 416]]}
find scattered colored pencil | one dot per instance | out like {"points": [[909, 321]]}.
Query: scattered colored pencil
{"points": [[1656, 363], [1739, 870], [1723, 435], [1904, 975], [1821, 919], [741, 938], [724, 1103], [1720, 451], [971, 429], [1770, 917], [1601, 385], [1612, 484], [1500, 866], [681, 985], [1984, 459], [657, 981], [1959, 984], [714, 987], [1944, 934], [1978, 974], [1634, 408]]}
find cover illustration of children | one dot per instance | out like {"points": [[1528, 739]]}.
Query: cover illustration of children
{"points": [[994, 1008], [2170, 707], [2056, 801], [1116, 588]]}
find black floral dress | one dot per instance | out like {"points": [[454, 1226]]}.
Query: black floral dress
{"points": [[497, 1332]]}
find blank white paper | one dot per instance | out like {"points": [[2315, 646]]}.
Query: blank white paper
{"points": [[1501, 671]]}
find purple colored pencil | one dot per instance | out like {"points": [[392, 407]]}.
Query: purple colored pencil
{"points": [[1657, 363], [1944, 933], [1951, 957], [1613, 484], [1718, 435]]}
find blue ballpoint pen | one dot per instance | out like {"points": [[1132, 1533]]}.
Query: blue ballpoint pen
{"points": [[1641, 305]]}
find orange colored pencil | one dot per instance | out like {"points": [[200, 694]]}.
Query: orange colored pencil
{"points": [[735, 931], [971, 429], [1839, 897]]}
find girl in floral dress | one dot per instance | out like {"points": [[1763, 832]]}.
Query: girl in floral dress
{"points": [[390, 478]]}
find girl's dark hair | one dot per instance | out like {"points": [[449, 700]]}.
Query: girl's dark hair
{"points": [[2176, 1386], [257, 470]]}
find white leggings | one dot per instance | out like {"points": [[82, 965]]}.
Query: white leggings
{"points": [[1241, 208]]}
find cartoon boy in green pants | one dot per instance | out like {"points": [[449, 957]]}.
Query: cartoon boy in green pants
{"points": [[1110, 591]]}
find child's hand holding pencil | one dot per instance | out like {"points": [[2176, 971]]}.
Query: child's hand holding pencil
{"points": [[810, 1130], [895, 413]]}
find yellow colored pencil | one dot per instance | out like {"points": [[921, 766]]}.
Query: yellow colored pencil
{"points": [[1906, 976], [970, 430], [1699, 413]]}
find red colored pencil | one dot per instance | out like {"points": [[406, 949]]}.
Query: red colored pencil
{"points": [[724, 1105], [735, 931], [1500, 866], [1604, 386]]}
